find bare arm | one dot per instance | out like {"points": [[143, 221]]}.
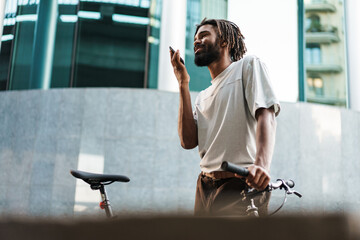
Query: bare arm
{"points": [[187, 129], [259, 176]]}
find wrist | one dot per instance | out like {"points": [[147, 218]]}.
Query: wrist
{"points": [[184, 84], [262, 165]]}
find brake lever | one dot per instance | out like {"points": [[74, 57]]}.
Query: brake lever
{"points": [[297, 194], [289, 191]]}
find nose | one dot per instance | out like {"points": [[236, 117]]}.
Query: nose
{"points": [[196, 42]]}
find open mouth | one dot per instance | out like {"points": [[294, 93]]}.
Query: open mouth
{"points": [[197, 49]]}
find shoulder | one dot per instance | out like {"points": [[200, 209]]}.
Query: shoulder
{"points": [[247, 62], [253, 63], [250, 59], [246, 59]]}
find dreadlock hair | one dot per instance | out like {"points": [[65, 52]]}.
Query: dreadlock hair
{"points": [[230, 33]]}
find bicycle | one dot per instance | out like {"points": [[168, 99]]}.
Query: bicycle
{"points": [[98, 182], [252, 210]]}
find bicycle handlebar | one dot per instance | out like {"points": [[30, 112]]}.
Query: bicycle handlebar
{"points": [[230, 167], [290, 183], [279, 184]]}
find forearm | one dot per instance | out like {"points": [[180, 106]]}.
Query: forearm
{"points": [[265, 138], [187, 129], [186, 124]]}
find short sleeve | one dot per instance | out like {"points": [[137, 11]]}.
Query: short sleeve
{"points": [[194, 112], [195, 115], [258, 89]]}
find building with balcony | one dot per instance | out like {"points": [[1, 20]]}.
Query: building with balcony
{"points": [[325, 54]]}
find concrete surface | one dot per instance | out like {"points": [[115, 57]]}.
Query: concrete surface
{"points": [[44, 134]]}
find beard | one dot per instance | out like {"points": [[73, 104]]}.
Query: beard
{"points": [[209, 54]]}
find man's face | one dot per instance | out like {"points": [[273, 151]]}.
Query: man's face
{"points": [[206, 46]]}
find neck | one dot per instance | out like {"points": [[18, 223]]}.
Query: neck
{"points": [[216, 67]]}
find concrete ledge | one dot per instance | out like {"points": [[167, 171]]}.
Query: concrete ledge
{"points": [[185, 227]]}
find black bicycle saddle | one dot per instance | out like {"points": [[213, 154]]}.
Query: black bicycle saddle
{"points": [[95, 178]]}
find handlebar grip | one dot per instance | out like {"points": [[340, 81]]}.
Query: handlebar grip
{"points": [[290, 183], [230, 167]]}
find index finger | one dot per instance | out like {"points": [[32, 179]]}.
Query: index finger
{"points": [[171, 54], [175, 59]]}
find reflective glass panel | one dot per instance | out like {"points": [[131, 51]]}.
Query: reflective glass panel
{"points": [[64, 44], [153, 42], [7, 41], [22, 49], [196, 11], [111, 44]]}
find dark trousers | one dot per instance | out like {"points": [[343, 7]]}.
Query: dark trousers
{"points": [[222, 197]]}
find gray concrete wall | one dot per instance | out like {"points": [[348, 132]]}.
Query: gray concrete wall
{"points": [[44, 134]]}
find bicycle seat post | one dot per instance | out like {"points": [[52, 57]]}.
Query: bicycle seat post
{"points": [[105, 204]]}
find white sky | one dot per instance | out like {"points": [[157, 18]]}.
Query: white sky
{"points": [[270, 30]]}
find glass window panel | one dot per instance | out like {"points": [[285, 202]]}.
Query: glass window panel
{"points": [[153, 42], [316, 55], [64, 44], [22, 53], [111, 52], [7, 41], [313, 54], [308, 56], [307, 23]]}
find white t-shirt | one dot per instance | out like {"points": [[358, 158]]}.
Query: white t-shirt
{"points": [[225, 113]]}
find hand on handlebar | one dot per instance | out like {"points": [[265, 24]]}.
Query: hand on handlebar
{"points": [[255, 176], [258, 177]]}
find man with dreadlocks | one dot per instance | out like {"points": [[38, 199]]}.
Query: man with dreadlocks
{"points": [[234, 119]]}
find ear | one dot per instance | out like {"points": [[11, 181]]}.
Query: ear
{"points": [[223, 44]]}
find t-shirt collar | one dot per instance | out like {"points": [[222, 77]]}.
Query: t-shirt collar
{"points": [[222, 74]]}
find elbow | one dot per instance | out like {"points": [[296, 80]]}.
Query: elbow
{"points": [[188, 139]]}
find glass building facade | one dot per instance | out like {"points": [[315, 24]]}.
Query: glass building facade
{"points": [[97, 43], [116, 43]]}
